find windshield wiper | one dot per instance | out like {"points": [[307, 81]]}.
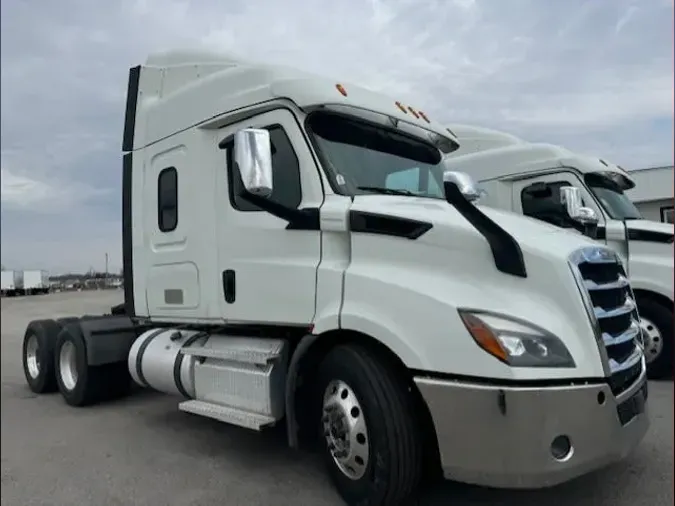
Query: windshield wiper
{"points": [[387, 191]]}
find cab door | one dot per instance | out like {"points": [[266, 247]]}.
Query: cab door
{"points": [[267, 273]]}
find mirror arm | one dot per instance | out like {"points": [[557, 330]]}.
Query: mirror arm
{"points": [[506, 252], [591, 230], [298, 219]]}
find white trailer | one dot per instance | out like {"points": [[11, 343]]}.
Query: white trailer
{"points": [[35, 282], [274, 274], [527, 178], [12, 283]]}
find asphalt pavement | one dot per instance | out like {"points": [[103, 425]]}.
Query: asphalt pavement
{"points": [[142, 451]]}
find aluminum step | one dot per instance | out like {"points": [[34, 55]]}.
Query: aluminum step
{"points": [[248, 350], [227, 414]]}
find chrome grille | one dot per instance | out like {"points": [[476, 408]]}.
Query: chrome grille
{"points": [[613, 311]]}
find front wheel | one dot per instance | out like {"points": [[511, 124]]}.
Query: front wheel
{"points": [[372, 441], [656, 322]]}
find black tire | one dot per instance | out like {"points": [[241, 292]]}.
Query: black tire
{"points": [[44, 332], [662, 318], [119, 309], [395, 446], [94, 384], [65, 321]]}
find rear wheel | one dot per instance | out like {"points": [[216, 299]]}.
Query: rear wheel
{"points": [[371, 437], [38, 355], [81, 384]]}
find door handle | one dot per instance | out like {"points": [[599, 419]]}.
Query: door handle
{"points": [[229, 285]]}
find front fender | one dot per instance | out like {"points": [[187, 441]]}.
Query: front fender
{"points": [[366, 318], [652, 272], [406, 295], [363, 316]]}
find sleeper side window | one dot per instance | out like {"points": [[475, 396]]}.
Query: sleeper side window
{"points": [[285, 173], [167, 199]]}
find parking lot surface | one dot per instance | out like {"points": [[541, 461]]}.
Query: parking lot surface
{"points": [[142, 451]]}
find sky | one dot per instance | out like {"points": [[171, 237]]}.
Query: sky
{"points": [[595, 76]]}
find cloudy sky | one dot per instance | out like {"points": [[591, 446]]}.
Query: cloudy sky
{"points": [[594, 75]]}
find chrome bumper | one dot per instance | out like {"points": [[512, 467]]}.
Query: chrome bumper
{"points": [[502, 436]]}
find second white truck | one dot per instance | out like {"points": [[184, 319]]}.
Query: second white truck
{"points": [[527, 178], [35, 282], [273, 274]]}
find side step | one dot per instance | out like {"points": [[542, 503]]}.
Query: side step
{"points": [[227, 414], [247, 350]]}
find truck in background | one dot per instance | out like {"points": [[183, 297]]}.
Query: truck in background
{"points": [[11, 283], [527, 178], [273, 274], [35, 282]]}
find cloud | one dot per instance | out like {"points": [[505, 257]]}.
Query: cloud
{"points": [[594, 75], [30, 195]]}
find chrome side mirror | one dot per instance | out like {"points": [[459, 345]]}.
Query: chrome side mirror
{"points": [[464, 183], [253, 159], [570, 196]]}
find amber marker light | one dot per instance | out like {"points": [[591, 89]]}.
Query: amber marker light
{"points": [[402, 107], [341, 89], [484, 336]]}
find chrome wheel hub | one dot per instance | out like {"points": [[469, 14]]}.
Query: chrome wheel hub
{"points": [[33, 357], [344, 427], [68, 365], [652, 339]]}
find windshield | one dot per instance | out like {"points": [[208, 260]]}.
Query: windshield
{"points": [[362, 158], [612, 198]]}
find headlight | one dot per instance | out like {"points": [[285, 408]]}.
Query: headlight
{"points": [[515, 342]]}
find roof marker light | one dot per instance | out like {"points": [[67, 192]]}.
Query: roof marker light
{"points": [[424, 116], [341, 89], [414, 113], [402, 107]]}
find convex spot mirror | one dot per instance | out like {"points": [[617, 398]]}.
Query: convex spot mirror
{"points": [[253, 159], [570, 196]]}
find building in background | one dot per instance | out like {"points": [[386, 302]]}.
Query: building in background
{"points": [[653, 193]]}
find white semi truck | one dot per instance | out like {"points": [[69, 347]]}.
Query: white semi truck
{"points": [[527, 178], [35, 282], [274, 275]]}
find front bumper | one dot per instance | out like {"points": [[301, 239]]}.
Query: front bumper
{"points": [[501, 436]]}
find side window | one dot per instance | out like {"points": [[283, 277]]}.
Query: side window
{"points": [[167, 199], [415, 180], [668, 214], [285, 173], [542, 201], [433, 188], [408, 179]]}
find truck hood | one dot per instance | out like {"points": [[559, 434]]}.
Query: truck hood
{"points": [[528, 232], [650, 231], [452, 266]]}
